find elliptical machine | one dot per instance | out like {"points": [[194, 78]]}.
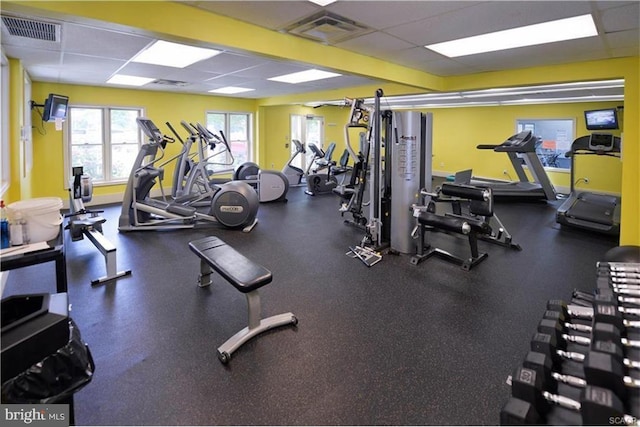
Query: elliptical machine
{"points": [[294, 174], [271, 185], [233, 205], [320, 183]]}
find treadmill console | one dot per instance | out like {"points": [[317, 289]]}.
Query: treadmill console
{"points": [[601, 142]]}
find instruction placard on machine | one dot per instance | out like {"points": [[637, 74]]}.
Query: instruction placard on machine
{"points": [[366, 255]]}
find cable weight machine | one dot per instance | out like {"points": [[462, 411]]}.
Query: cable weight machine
{"points": [[400, 151]]}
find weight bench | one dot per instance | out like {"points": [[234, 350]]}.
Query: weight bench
{"points": [[480, 203], [247, 277]]}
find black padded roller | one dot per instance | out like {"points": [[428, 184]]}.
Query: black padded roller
{"points": [[455, 225], [466, 191]]}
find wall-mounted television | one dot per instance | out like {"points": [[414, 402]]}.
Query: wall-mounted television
{"points": [[55, 107], [601, 119]]}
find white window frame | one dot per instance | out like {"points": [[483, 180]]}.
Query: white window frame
{"points": [[526, 121], [106, 143], [227, 130]]}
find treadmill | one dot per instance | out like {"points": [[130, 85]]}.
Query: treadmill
{"points": [[588, 210], [521, 147]]}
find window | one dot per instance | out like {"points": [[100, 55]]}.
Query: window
{"points": [[104, 141], [237, 129], [555, 137]]}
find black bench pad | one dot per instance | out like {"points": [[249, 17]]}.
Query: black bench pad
{"points": [[244, 274]]}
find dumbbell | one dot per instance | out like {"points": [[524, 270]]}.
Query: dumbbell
{"points": [[600, 369], [547, 344], [563, 320], [603, 312], [631, 291], [610, 293], [617, 273], [599, 331], [602, 272], [598, 406], [556, 329], [629, 267], [586, 312]]}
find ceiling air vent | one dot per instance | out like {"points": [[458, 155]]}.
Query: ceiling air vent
{"points": [[29, 28], [166, 82], [327, 27]]}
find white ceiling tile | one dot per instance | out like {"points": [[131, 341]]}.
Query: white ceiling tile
{"points": [[227, 80], [623, 39], [268, 14], [227, 62], [29, 56], [90, 63], [189, 75], [90, 55], [86, 40], [385, 14], [271, 69], [486, 17], [43, 73], [621, 18], [140, 69], [374, 44]]}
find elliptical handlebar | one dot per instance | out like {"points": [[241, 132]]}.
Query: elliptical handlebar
{"points": [[174, 132], [226, 143], [192, 132]]}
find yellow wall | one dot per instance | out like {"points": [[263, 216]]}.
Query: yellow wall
{"points": [[625, 68], [47, 174], [275, 132], [457, 132], [20, 186]]}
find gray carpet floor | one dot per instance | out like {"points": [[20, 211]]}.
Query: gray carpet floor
{"points": [[394, 344]]}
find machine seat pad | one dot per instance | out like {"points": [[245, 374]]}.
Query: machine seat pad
{"points": [[454, 224], [244, 274]]}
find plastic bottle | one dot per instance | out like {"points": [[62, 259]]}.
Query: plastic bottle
{"points": [[18, 229], [4, 227]]}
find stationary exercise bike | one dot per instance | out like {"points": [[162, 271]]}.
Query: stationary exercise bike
{"points": [[233, 205], [320, 183]]}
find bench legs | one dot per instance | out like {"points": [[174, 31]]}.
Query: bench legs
{"points": [[256, 326]]}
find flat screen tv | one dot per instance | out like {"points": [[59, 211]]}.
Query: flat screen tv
{"points": [[55, 107], [601, 119]]}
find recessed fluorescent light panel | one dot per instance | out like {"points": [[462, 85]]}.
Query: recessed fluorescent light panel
{"points": [[123, 79], [322, 2], [231, 90], [173, 54], [304, 76], [530, 35]]}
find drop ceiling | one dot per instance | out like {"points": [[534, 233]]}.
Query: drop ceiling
{"points": [[394, 31]]}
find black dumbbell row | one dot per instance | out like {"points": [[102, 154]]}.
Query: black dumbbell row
{"points": [[583, 367]]}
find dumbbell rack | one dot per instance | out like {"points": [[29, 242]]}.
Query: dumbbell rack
{"points": [[606, 324]]}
